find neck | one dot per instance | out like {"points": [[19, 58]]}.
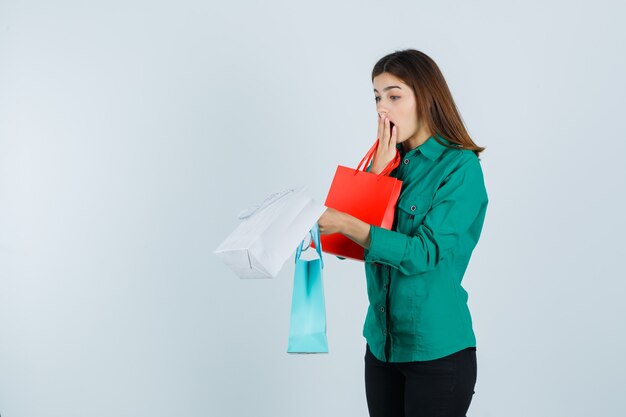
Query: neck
{"points": [[416, 140]]}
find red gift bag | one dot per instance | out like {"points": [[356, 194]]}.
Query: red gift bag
{"points": [[364, 195]]}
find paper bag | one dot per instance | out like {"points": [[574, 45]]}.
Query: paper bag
{"points": [[364, 195], [307, 326], [269, 232]]}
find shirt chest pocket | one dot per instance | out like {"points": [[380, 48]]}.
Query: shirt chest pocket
{"points": [[411, 212]]}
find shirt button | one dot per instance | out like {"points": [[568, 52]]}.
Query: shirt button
{"points": [[413, 208], [385, 332], [385, 287], [382, 309], [406, 161]]}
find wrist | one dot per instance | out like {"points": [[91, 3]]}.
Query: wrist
{"points": [[375, 169], [344, 224], [356, 230]]}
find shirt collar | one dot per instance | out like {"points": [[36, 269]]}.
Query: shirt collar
{"points": [[431, 149]]}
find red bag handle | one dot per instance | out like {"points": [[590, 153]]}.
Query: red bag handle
{"points": [[393, 164]]}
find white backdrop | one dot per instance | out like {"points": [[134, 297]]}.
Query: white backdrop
{"points": [[133, 132]]}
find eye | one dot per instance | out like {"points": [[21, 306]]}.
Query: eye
{"points": [[378, 98]]}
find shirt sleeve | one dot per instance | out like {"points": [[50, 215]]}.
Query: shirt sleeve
{"points": [[454, 222]]}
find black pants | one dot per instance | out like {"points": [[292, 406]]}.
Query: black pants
{"points": [[438, 388]]}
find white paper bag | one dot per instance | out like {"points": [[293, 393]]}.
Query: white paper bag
{"points": [[269, 233]]}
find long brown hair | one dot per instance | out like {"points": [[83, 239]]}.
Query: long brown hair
{"points": [[435, 105]]}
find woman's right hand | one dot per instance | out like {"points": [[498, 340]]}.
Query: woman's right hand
{"points": [[386, 151]]}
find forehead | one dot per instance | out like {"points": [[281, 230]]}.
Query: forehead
{"points": [[385, 82]]}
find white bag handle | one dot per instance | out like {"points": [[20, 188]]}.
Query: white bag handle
{"points": [[271, 199]]}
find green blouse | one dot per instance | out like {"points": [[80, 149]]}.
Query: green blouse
{"points": [[418, 309]]}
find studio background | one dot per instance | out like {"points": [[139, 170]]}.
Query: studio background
{"points": [[132, 133]]}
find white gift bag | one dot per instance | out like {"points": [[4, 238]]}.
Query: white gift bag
{"points": [[269, 233]]}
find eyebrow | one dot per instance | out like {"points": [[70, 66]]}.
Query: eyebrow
{"points": [[388, 88]]}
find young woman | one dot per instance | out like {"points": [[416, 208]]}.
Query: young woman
{"points": [[420, 357]]}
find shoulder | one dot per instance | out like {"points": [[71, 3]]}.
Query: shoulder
{"points": [[458, 161], [463, 173]]}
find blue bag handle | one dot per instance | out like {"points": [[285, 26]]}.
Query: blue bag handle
{"points": [[315, 235]]}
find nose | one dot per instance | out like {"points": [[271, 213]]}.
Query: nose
{"points": [[382, 110], [381, 107]]}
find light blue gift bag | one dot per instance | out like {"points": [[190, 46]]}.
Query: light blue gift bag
{"points": [[307, 329]]}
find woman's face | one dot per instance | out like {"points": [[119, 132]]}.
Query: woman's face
{"points": [[396, 100]]}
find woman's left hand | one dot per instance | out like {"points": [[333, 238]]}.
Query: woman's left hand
{"points": [[332, 221]]}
